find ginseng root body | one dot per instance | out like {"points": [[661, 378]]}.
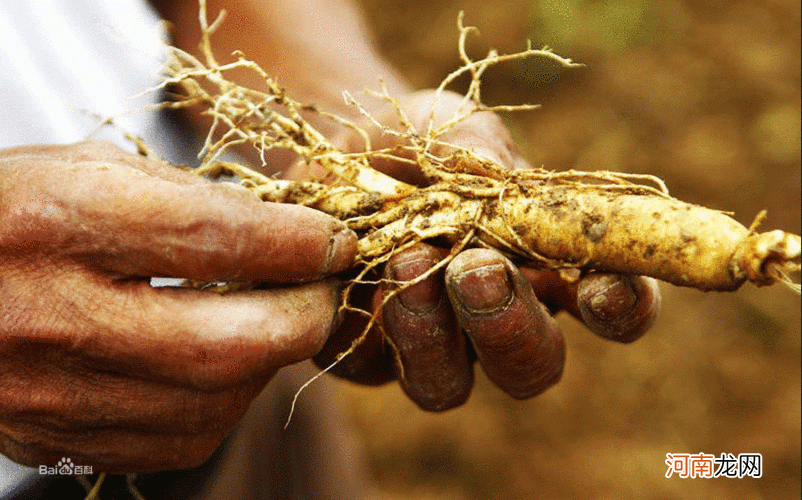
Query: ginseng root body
{"points": [[622, 228]]}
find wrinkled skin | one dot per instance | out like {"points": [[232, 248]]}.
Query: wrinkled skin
{"points": [[96, 364]]}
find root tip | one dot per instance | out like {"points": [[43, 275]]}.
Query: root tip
{"points": [[770, 257]]}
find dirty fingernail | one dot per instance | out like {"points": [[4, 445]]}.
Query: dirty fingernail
{"points": [[341, 252], [609, 297], [483, 289], [421, 297]]}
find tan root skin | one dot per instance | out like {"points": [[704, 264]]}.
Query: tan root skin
{"points": [[604, 221]]}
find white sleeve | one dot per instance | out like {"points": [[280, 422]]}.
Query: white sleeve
{"points": [[63, 63]]}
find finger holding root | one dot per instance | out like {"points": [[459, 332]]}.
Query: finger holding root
{"points": [[432, 361], [618, 307], [518, 342]]}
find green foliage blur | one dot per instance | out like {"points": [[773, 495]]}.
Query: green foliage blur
{"points": [[615, 25]]}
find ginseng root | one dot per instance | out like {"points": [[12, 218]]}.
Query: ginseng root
{"points": [[604, 221], [555, 221]]}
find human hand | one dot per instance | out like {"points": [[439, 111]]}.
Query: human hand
{"points": [[98, 365], [481, 305]]}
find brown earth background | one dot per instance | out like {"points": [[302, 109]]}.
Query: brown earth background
{"points": [[705, 95]]}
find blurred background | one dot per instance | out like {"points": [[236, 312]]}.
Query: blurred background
{"points": [[705, 95]]}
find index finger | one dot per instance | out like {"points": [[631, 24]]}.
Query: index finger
{"points": [[126, 221]]}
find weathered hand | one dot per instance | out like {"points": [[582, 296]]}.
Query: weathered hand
{"points": [[96, 364], [482, 306]]}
